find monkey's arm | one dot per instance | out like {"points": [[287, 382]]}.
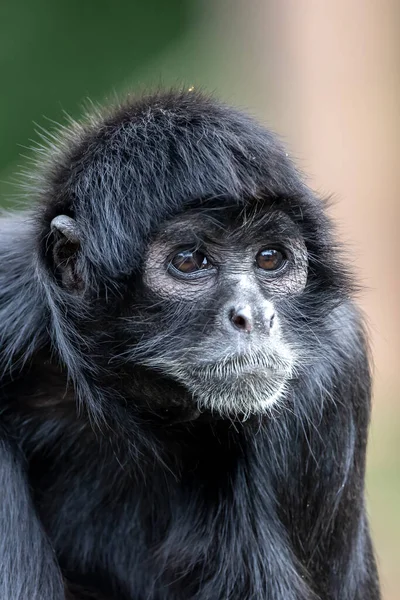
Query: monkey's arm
{"points": [[353, 574], [336, 528], [338, 539], [28, 567]]}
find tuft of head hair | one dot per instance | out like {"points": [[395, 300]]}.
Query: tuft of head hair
{"points": [[123, 170]]}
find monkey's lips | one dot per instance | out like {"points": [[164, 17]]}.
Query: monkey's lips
{"points": [[238, 367], [237, 388]]}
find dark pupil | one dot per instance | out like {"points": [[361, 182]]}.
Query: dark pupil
{"points": [[269, 259], [188, 261]]}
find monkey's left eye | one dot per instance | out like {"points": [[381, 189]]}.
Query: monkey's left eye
{"points": [[270, 259], [189, 262]]}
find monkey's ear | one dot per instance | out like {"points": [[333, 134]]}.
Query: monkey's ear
{"points": [[66, 244]]}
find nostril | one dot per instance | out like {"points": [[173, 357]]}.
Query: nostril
{"points": [[271, 321], [240, 320]]}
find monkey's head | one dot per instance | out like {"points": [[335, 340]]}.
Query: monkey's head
{"points": [[182, 246]]}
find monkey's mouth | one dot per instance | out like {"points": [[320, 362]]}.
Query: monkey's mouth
{"points": [[237, 390], [236, 386], [239, 366]]}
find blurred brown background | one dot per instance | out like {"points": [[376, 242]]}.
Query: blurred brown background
{"points": [[324, 75]]}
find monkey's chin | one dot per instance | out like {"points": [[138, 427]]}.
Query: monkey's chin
{"points": [[240, 397]]}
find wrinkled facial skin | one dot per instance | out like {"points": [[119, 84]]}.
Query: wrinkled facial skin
{"points": [[209, 317]]}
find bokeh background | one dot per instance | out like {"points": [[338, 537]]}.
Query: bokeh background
{"points": [[324, 75]]}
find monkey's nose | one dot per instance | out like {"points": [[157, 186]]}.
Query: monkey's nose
{"points": [[242, 318]]}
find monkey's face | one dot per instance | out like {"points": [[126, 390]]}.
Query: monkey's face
{"points": [[217, 285]]}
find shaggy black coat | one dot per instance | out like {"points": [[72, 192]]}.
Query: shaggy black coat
{"points": [[99, 500]]}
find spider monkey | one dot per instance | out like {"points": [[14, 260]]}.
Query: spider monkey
{"points": [[185, 384]]}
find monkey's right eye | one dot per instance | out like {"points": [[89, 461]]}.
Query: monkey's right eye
{"points": [[188, 262]]}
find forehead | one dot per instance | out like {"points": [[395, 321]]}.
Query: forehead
{"points": [[229, 220]]}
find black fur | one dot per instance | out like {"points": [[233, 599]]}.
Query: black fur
{"points": [[107, 489]]}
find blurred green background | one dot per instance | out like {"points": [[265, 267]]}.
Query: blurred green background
{"points": [[323, 75]]}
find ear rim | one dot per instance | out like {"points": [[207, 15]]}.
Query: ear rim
{"points": [[67, 227], [66, 244]]}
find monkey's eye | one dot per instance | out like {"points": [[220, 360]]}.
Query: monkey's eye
{"points": [[270, 259], [189, 262]]}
